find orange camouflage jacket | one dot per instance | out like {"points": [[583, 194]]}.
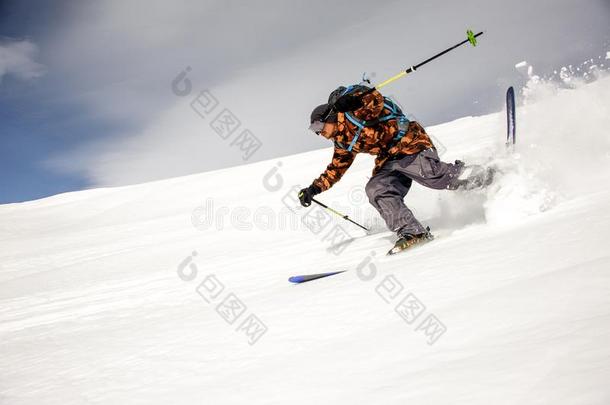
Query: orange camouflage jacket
{"points": [[375, 140]]}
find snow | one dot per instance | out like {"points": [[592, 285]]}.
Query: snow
{"points": [[102, 291], [521, 64]]}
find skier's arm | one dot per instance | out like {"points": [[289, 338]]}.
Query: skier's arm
{"points": [[342, 160]]}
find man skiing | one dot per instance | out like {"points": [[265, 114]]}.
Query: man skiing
{"points": [[360, 120]]}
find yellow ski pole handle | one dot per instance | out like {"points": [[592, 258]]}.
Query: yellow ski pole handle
{"points": [[391, 79]]}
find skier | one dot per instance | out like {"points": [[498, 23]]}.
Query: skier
{"points": [[359, 120]]}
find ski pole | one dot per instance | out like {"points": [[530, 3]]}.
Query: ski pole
{"points": [[338, 213], [472, 38]]}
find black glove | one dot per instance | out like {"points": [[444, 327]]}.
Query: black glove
{"points": [[348, 102], [306, 194]]}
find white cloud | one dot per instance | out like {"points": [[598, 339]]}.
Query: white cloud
{"points": [[17, 59], [271, 62]]}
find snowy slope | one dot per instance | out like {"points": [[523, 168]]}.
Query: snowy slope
{"points": [[99, 297]]}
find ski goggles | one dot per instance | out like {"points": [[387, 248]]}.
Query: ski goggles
{"points": [[317, 127]]}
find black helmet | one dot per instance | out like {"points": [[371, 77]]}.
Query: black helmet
{"points": [[319, 116], [320, 113]]}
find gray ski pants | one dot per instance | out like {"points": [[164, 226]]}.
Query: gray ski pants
{"points": [[390, 185]]}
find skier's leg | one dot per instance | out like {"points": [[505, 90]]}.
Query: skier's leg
{"points": [[386, 191], [428, 170]]}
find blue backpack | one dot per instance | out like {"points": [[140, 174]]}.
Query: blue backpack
{"points": [[395, 113]]}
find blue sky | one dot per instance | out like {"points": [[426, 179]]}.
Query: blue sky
{"points": [[33, 126], [85, 87]]}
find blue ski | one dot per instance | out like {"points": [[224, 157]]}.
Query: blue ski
{"points": [[510, 117], [310, 277]]}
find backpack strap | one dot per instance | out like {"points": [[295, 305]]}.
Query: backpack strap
{"points": [[347, 90], [359, 124], [395, 113]]}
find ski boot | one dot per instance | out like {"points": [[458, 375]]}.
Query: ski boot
{"points": [[407, 240]]}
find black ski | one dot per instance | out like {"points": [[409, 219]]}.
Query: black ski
{"points": [[510, 117]]}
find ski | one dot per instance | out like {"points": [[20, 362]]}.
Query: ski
{"points": [[310, 277], [510, 117]]}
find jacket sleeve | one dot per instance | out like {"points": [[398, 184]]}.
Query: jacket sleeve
{"points": [[342, 160]]}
